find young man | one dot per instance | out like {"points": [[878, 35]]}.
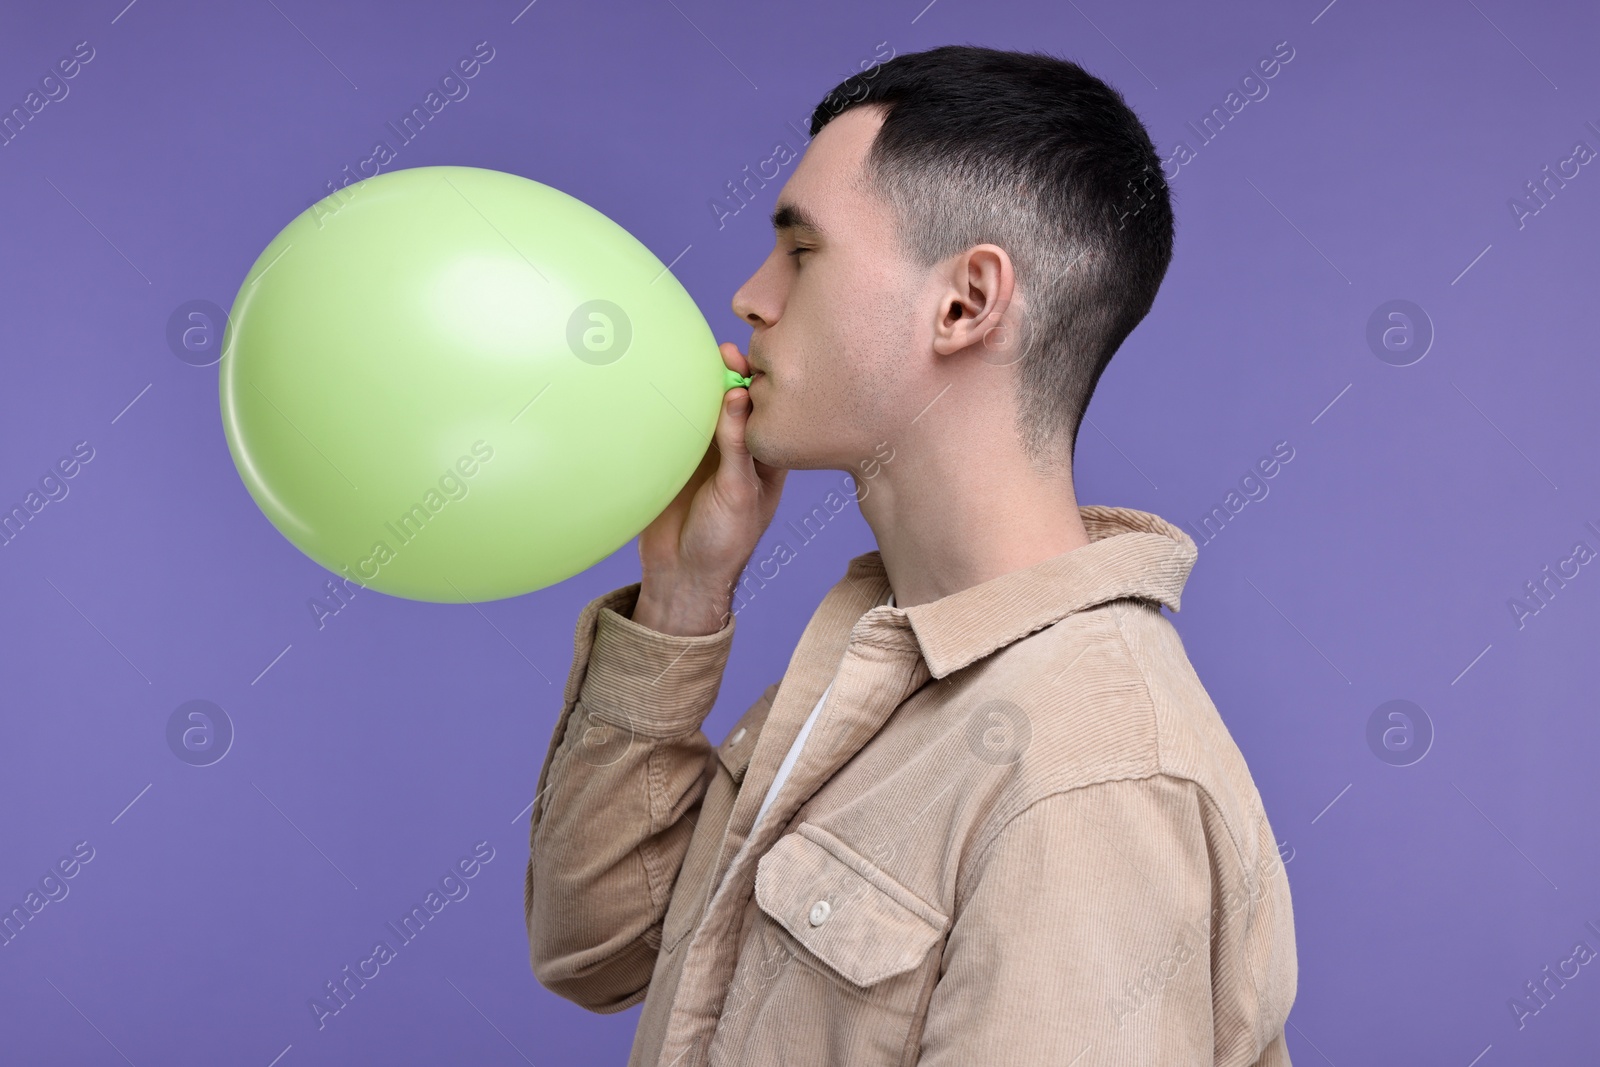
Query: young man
{"points": [[989, 814]]}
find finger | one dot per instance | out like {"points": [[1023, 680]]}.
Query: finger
{"points": [[736, 460], [734, 358]]}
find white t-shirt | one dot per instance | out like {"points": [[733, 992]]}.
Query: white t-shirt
{"points": [[794, 749]]}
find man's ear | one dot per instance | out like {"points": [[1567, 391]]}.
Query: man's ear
{"points": [[976, 299]]}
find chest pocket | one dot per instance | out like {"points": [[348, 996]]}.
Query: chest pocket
{"points": [[843, 910]]}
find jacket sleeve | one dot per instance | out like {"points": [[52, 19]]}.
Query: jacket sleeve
{"points": [[616, 801], [1112, 924]]}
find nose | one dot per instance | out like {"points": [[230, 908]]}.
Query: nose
{"points": [[756, 301], [744, 307]]}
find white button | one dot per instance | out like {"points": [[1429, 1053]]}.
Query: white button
{"points": [[738, 735], [820, 912]]}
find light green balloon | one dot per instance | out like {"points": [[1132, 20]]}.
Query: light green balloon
{"points": [[451, 383]]}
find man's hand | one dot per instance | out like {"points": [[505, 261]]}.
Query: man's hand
{"points": [[693, 552]]}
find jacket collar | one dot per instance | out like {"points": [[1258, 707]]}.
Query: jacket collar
{"points": [[1130, 554]]}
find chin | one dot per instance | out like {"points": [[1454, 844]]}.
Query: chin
{"points": [[759, 449], [772, 453]]}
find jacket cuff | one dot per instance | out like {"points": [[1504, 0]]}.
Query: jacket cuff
{"points": [[642, 680]]}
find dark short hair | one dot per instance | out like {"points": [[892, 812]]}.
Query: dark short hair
{"points": [[1032, 153]]}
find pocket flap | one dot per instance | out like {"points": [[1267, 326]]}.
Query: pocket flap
{"points": [[843, 908]]}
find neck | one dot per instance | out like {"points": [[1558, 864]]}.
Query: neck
{"points": [[945, 520]]}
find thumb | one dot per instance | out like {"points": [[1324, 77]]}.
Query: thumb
{"points": [[736, 459]]}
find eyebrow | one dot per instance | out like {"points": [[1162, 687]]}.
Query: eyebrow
{"points": [[794, 217]]}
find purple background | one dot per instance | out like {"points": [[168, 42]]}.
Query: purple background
{"points": [[376, 750]]}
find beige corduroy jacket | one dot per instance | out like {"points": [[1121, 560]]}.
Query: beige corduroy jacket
{"points": [[1019, 833]]}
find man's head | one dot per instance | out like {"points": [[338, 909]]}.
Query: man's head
{"points": [[969, 221]]}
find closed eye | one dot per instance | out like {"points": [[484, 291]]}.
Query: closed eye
{"points": [[802, 248]]}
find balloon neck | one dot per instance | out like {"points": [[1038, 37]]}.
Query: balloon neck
{"points": [[732, 379]]}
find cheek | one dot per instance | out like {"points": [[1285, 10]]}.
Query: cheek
{"points": [[846, 334], [819, 370]]}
